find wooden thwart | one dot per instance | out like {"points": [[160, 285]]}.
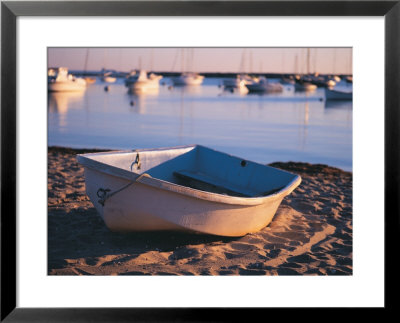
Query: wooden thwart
{"points": [[207, 183]]}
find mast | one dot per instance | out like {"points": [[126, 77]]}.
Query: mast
{"points": [[183, 60], [315, 61], [251, 62], [175, 59], [140, 63], [242, 62], [86, 60], [351, 62], [334, 62], [151, 59]]}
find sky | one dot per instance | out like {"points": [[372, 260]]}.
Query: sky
{"points": [[202, 59]]}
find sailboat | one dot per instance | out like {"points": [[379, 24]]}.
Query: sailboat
{"points": [[187, 78], [302, 83], [241, 80], [59, 80], [264, 86], [107, 76], [139, 82]]}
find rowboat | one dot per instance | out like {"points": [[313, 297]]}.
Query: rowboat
{"points": [[335, 94], [190, 188]]}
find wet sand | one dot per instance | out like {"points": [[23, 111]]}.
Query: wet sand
{"points": [[311, 233]]}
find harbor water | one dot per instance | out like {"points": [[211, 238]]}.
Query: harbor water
{"points": [[287, 126]]}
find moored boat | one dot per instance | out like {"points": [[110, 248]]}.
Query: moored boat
{"points": [[108, 76], [90, 80], [109, 79], [305, 86], [59, 80], [191, 188], [238, 81], [335, 94], [188, 79], [141, 82], [263, 85]]}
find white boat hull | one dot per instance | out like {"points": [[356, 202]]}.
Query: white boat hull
{"points": [[61, 81], [150, 204], [144, 86], [67, 86], [143, 83], [109, 79], [188, 80]]}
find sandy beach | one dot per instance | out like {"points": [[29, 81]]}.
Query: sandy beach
{"points": [[311, 233]]}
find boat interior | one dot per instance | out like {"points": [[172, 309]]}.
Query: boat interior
{"points": [[201, 168]]}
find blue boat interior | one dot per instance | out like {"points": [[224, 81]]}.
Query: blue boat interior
{"points": [[205, 169], [212, 171]]}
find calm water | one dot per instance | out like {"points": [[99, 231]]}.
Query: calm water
{"points": [[290, 126]]}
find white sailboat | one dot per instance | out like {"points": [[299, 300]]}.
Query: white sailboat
{"points": [[302, 84], [59, 80], [263, 85], [107, 76], [241, 80], [143, 82], [187, 78]]}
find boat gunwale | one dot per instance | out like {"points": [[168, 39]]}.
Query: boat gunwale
{"points": [[84, 160]]}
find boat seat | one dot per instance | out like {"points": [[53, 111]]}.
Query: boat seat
{"points": [[207, 183]]}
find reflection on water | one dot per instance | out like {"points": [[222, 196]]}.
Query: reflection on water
{"points": [[60, 102], [137, 99], [264, 128], [187, 89]]}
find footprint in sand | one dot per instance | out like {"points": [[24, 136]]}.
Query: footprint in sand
{"points": [[242, 247], [183, 253]]}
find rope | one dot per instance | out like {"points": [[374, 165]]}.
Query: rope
{"points": [[104, 195]]}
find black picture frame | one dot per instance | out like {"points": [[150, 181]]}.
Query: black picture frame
{"points": [[10, 10]]}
